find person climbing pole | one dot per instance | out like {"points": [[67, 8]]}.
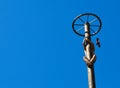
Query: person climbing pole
{"points": [[89, 61]]}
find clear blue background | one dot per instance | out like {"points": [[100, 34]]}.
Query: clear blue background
{"points": [[38, 48]]}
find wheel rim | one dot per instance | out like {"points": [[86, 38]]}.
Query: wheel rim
{"points": [[92, 19]]}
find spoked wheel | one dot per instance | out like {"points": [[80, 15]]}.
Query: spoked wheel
{"points": [[93, 20]]}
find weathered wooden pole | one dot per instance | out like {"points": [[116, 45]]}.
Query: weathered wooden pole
{"points": [[87, 25], [89, 54]]}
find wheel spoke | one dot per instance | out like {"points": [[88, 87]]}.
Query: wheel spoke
{"points": [[87, 18], [79, 29], [95, 25], [92, 30], [79, 24], [81, 20], [93, 20]]}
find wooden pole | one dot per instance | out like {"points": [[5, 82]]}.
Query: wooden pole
{"points": [[91, 77]]}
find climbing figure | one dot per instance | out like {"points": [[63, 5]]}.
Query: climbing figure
{"points": [[89, 61], [98, 42]]}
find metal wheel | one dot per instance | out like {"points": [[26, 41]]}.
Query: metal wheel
{"points": [[93, 20]]}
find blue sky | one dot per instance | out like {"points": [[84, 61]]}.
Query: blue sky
{"points": [[38, 48]]}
